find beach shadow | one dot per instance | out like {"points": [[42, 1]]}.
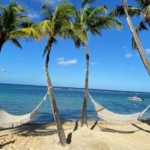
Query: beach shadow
{"points": [[146, 121], [27, 130], [140, 128], [4, 144], [94, 125], [116, 131], [69, 137]]}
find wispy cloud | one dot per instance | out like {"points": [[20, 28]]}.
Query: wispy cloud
{"points": [[63, 62], [125, 48], [3, 70], [33, 14], [128, 55], [131, 68], [148, 50], [60, 59], [93, 63]]}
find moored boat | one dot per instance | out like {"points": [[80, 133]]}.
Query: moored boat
{"points": [[135, 98]]}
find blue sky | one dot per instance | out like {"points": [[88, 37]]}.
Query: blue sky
{"points": [[113, 63]]}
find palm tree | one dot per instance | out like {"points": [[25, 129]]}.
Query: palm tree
{"points": [[142, 9], [12, 23], [54, 24], [92, 20]]}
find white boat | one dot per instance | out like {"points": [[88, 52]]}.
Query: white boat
{"points": [[135, 98]]}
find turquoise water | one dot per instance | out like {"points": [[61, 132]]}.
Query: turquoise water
{"points": [[22, 99]]}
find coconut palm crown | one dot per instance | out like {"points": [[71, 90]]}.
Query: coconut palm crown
{"points": [[11, 21]]}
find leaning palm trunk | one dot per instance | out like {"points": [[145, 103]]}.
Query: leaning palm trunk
{"points": [[136, 38], [1, 43], [60, 129], [84, 109]]}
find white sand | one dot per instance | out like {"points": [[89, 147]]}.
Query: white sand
{"points": [[103, 136]]}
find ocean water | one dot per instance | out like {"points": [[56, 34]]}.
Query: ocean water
{"points": [[22, 99]]}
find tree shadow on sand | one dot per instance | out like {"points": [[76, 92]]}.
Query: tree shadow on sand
{"points": [[69, 137], [6, 143], [32, 129], [148, 131], [94, 125], [146, 121]]}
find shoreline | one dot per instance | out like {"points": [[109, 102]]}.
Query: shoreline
{"points": [[99, 135]]}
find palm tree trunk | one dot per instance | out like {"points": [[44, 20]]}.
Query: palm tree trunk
{"points": [[136, 38], [84, 109], [60, 129], [2, 41]]}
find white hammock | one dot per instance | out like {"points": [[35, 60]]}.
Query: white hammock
{"points": [[9, 121], [107, 115]]}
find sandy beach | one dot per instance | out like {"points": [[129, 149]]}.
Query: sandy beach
{"points": [[99, 135]]}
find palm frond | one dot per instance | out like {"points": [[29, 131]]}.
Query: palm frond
{"points": [[16, 42], [119, 11], [47, 48], [146, 11], [62, 10], [100, 10], [47, 10], [84, 2], [2, 8], [44, 27], [77, 43], [143, 3], [25, 33], [141, 26]]}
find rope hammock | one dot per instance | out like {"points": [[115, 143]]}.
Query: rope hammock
{"points": [[110, 116], [9, 121]]}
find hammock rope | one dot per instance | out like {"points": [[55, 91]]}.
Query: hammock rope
{"points": [[8, 120], [110, 116]]}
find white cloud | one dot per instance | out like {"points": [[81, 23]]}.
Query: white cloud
{"points": [[33, 14], [128, 55], [60, 59], [125, 48], [3, 70], [148, 50], [68, 62], [93, 63]]}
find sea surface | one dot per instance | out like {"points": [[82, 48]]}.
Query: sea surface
{"points": [[22, 99]]}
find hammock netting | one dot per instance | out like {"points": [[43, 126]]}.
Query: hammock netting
{"points": [[8, 120], [110, 116]]}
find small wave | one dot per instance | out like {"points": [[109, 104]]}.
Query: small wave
{"points": [[108, 91], [57, 88]]}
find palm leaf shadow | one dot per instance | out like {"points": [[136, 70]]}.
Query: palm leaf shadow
{"points": [[148, 131]]}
